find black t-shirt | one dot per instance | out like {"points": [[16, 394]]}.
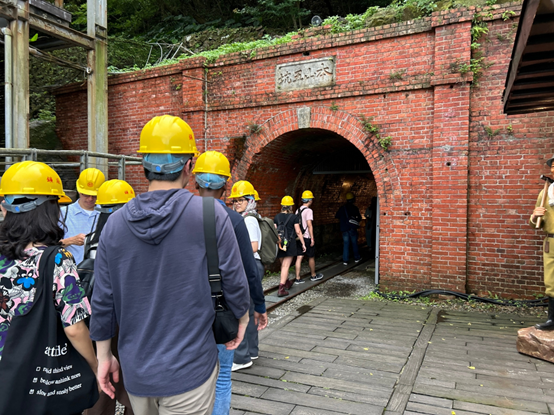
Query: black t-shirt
{"points": [[282, 218]]}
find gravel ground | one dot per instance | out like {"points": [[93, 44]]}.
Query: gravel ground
{"points": [[351, 285]]}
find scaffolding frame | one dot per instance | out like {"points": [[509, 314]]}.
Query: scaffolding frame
{"points": [[22, 16]]}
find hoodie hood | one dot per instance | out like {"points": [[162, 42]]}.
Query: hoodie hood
{"points": [[151, 215]]}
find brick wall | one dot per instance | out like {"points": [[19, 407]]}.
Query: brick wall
{"points": [[456, 186]]}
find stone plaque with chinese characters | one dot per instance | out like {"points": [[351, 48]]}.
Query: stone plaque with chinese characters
{"points": [[304, 75]]}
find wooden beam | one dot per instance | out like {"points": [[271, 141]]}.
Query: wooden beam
{"points": [[529, 110], [533, 93], [535, 58], [59, 31], [535, 74], [533, 83], [523, 31], [59, 3], [527, 101], [542, 43]]}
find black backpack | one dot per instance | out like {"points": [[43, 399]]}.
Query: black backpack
{"points": [[85, 268], [284, 234]]}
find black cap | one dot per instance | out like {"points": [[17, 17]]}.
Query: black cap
{"points": [[549, 161]]}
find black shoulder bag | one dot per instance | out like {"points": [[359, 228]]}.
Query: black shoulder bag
{"points": [[226, 325], [41, 372]]}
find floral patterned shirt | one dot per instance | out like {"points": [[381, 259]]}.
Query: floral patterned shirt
{"points": [[18, 286]]}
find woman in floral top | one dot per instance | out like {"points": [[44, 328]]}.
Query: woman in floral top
{"points": [[31, 223]]}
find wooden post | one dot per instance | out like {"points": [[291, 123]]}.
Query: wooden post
{"points": [[20, 76], [58, 3], [97, 85]]}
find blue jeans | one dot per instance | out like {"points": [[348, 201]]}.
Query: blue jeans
{"points": [[350, 237], [223, 387]]}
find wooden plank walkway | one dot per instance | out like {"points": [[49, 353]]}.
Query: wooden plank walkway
{"points": [[364, 357]]}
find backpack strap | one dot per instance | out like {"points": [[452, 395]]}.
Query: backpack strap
{"points": [[46, 269], [66, 212], [214, 274], [303, 229]]}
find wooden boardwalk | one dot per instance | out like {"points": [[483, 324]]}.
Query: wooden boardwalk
{"points": [[362, 357]]}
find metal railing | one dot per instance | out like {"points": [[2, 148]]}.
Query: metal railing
{"points": [[84, 158]]}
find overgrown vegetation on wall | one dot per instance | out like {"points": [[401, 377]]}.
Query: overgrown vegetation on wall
{"points": [[150, 33]]}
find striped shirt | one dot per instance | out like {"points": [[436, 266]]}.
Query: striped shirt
{"points": [[78, 221]]}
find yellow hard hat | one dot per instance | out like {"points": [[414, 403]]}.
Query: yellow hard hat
{"points": [[31, 178], [114, 192], [349, 196], [242, 188], [89, 181], [65, 199], [256, 195], [307, 195], [213, 162], [167, 135], [287, 201]]}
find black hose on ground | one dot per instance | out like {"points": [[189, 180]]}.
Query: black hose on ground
{"points": [[541, 302]]}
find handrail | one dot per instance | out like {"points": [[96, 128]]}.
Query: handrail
{"points": [[84, 156]]}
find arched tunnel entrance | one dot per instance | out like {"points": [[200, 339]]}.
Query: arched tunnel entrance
{"points": [[321, 161]]}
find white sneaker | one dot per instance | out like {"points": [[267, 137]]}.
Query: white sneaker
{"points": [[238, 366], [253, 357], [345, 263], [357, 260]]}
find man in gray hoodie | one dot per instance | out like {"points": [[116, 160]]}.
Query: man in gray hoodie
{"points": [[152, 280]]}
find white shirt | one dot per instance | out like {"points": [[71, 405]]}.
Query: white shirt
{"points": [[254, 232]]}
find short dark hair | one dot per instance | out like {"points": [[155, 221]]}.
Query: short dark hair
{"points": [[162, 177], [40, 225], [286, 209]]}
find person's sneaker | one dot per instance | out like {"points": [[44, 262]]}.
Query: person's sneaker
{"points": [[253, 357], [345, 263], [316, 277], [239, 366], [357, 260], [299, 282]]}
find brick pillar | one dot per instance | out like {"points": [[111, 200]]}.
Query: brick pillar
{"points": [[450, 158]]}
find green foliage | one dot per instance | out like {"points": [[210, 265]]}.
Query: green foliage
{"points": [[350, 22], [508, 14], [254, 128], [385, 142], [492, 133], [46, 115], [334, 107], [277, 13], [368, 125], [510, 129], [397, 75]]}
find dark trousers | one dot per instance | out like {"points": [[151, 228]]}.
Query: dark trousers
{"points": [[249, 345]]}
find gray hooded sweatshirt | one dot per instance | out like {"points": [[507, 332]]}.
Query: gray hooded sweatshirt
{"points": [[152, 280]]}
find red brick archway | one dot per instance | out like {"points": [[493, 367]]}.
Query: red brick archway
{"points": [[339, 122]]}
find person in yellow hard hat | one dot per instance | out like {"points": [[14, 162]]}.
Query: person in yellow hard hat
{"points": [[30, 235], [244, 203], [212, 173], [349, 218], [306, 218], [288, 228], [152, 280], [112, 196], [80, 217]]}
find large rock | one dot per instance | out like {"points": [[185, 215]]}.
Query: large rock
{"points": [[536, 343]]}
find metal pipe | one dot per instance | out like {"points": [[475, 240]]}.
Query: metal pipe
{"points": [[8, 88], [376, 242]]}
